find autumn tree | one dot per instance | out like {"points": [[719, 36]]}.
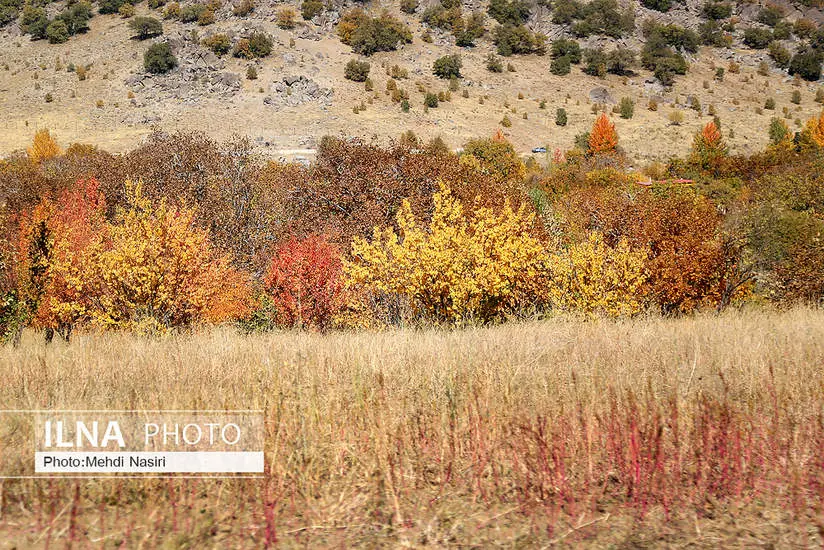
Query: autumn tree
{"points": [[43, 147], [814, 130], [603, 139], [708, 147], [159, 270], [480, 265], [593, 278], [304, 283]]}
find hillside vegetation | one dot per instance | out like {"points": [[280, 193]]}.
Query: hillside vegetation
{"points": [[110, 72]]}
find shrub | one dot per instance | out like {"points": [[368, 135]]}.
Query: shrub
{"points": [[778, 132], [448, 66], [796, 97], [770, 15], [172, 11], [145, 27], [506, 122], [769, 104], [757, 38], [807, 64], [34, 22], [626, 107], [310, 8], [512, 39], [658, 5], [159, 58], [804, 28], [495, 157], [561, 117], [251, 73], [717, 10], [566, 48], [76, 17], [109, 6], [219, 43], [356, 71], [595, 62], [494, 64], [285, 18], [662, 60], [57, 32], [430, 100], [602, 17], [512, 12], [191, 12], [603, 139], [468, 265], [596, 279], [560, 66], [780, 55], [126, 10], [620, 61], [676, 117], [304, 283], [260, 44]]}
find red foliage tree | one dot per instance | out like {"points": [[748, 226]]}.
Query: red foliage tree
{"points": [[304, 283]]}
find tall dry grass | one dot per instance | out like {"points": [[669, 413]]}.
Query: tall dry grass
{"points": [[702, 430]]}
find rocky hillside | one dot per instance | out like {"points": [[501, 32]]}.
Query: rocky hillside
{"points": [[107, 73]]}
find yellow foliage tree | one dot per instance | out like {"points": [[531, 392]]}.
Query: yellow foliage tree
{"points": [[160, 270], [814, 130], [43, 147], [595, 279], [479, 266]]}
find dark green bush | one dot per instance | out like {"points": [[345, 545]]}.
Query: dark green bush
{"points": [[717, 10], [807, 64], [145, 27], [595, 62], [561, 117], [757, 38], [621, 61], [494, 64], [560, 66], [780, 55], [159, 58], [770, 15], [57, 32], [448, 66], [566, 48], [430, 100], [509, 12]]}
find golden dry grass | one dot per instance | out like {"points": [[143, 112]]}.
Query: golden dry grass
{"points": [[490, 436]]}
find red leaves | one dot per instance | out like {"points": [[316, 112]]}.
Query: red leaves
{"points": [[304, 282]]}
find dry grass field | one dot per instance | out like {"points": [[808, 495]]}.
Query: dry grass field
{"points": [[703, 431]]}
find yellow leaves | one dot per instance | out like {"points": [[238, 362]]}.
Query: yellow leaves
{"points": [[465, 266], [596, 279], [159, 264], [43, 147], [815, 129]]}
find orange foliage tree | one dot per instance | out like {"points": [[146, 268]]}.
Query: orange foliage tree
{"points": [[814, 130], [58, 246], [708, 147], [603, 139], [686, 260]]}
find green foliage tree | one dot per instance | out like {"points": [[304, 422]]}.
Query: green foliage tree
{"points": [[146, 27], [448, 66], [159, 58]]}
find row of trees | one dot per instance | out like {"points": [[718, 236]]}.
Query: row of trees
{"points": [[367, 235]]}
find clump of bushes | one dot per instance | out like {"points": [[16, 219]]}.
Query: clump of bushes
{"points": [[367, 35], [517, 39], [219, 43], [258, 45]]}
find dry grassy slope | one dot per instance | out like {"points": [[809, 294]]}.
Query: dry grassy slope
{"points": [[118, 125]]}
